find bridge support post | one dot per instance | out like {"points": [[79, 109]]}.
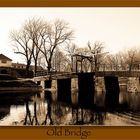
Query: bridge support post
{"points": [[42, 83], [112, 92], [74, 90], [48, 83], [38, 82], [86, 89], [64, 90], [54, 84]]}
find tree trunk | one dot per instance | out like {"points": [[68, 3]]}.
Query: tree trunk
{"points": [[49, 65], [35, 67], [27, 68], [130, 68]]}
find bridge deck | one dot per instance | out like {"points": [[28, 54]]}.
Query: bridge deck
{"points": [[63, 75], [118, 73]]}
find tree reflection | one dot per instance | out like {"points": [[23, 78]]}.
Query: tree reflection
{"points": [[35, 120], [48, 96], [48, 115], [62, 113], [4, 111], [82, 116], [28, 114], [98, 118]]}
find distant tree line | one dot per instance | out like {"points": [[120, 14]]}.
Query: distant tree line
{"points": [[50, 45]]}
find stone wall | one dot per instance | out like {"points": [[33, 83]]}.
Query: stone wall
{"points": [[133, 84]]}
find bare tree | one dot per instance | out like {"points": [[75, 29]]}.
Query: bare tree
{"points": [[28, 40], [37, 36], [96, 51], [70, 50], [59, 61], [124, 60], [131, 57], [113, 61], [58, 34], [87, 57], [23, 45], [84, 59], [35, 28]]}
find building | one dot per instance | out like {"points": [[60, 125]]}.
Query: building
{"points": [[18, 66], [5, 61], [23, 66], [15, 69]]}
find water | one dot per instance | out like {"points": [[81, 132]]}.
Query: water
{"points": [[44, 109]]}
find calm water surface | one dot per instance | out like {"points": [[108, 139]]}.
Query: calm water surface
{"points": [[44, 109]]}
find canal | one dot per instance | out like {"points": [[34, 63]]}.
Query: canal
{"points": [[44, 108]]}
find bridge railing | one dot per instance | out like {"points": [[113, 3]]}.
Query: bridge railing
{"points": [[53, 73], [119, 73], [98, 73], [41, 73]]}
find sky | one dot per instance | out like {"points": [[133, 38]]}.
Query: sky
{"points": [[117, 28]]}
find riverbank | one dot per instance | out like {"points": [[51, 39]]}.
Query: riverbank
{"points": [[10, 84]]}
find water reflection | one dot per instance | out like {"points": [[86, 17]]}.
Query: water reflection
{"points": [[28, 115], [4, 111], [44, 109], [83, 116], [48, 117]]}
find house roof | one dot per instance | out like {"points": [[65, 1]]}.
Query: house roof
{"points": [[3, 57]]}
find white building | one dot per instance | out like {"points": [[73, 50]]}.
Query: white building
{"points": [[5, 61]]}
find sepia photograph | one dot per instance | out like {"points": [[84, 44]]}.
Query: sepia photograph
{"points": [[70, 66]]}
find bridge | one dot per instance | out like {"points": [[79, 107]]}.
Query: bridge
{"points": [[86, 84], [61, 75]]}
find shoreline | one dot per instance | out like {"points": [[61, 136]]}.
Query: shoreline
{"points": [[20, 89]]}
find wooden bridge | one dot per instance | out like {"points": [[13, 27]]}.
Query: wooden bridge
{"points": [[86, 85], [61, 75]]}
